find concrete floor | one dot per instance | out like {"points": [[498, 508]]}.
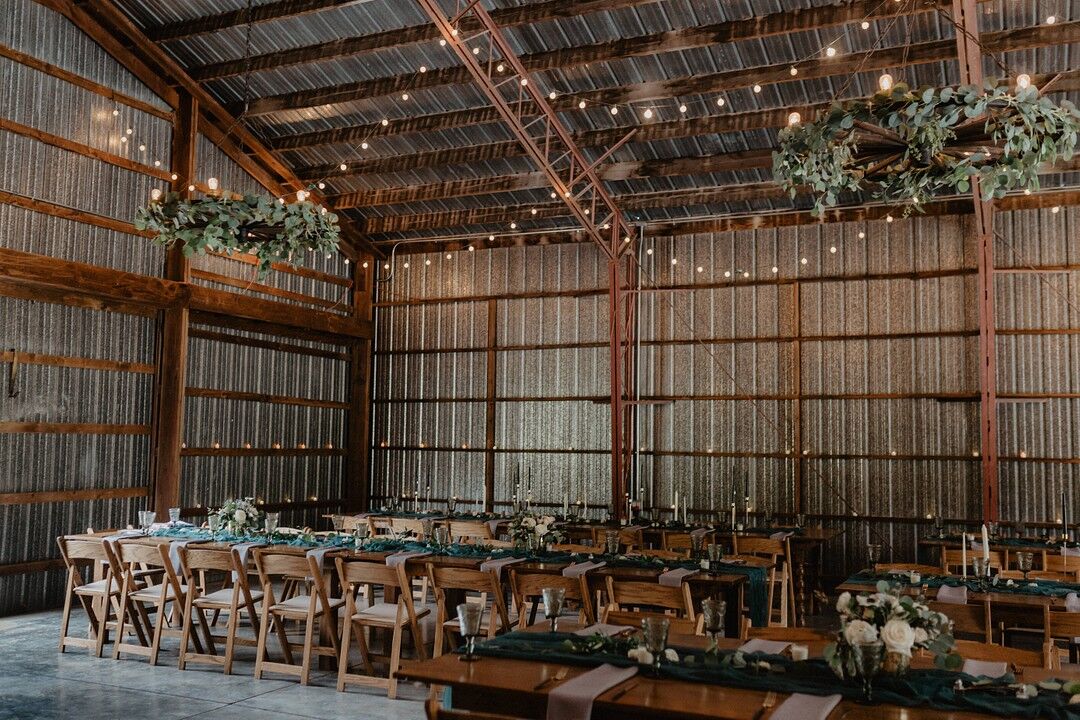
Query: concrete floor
{"points": [[36, 681]]}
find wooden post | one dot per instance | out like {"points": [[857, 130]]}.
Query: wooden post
{"points": [[798, 498], [492, 370], [969, 55], [357, 488], [167, 425]]}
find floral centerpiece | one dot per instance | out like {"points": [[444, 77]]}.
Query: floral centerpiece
{"points": [[534, 531], [898, 624], [240, 516]]}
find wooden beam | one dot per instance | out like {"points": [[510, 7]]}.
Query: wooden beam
{"points": [[86, 84], [491, 364], [47, 428], [660, 42], [271, 314], [62, 211], [80, 363], [31, 566], [262, 452], [298, 270], [264, 289], [265, 344], [264, 398], [83, 495], [357, 489]]}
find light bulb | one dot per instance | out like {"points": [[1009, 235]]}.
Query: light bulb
{"points": [[647, 113], [1051, 19], [454, 32], [442, 42], [142, 148], [1056, 209], [649, 251], [794, 71], [423, 68], [803, 260], [427, 262], [191, 188], [155, 194], [500, 67], [552, 95], [775, 269], [674, 261], [406, 266], [115, 113], [476, 51], [449, 256], [322, 186], [386, 266], [700, 269], [123, 138], [173, 177], [534, 211], [727, 273], [757, 88], [581, 105], [364, 145], [129, 131], [385, 122], [861, 234], [524, 82], [1023, 81], [404, 96], [614, 111], [472, 249], [865, 25], [513, 226], [885, 82], [794, 118], [554, 195], [888, 218], [157, 163], [301, 195], [830, 51], [833, 249], [720, 101], [212, 183], [343, 167], [682, 108], [491, 238]]}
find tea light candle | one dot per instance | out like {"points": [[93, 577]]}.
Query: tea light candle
{"points": [[916, 578], [799, 653]]}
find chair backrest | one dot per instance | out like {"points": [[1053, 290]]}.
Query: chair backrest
{"points": [[195, 559], [271, 563], [349, 522], [973, 618], [907, 568], [526, 585], [790, 634], [1039, 575], [951, 558], [677, 625], [468, 579], [403, 525], [682, 541], [637, 594], [83, 549], [971, 650], [1068, 564], [1062, 624], [760, 546], [469, 529], [151, 555], [364, 572], [662, 554], [572, 548], [380, 525]]}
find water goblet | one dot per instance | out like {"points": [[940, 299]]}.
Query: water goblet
{"points": [[174, 515], [868, 664], [992, 529], [611, 542], [553, 604], [442, 535], [715, 553], [655, 631], [338, 522], [451, 506], [1024, 561], [146, 519], [270, 523], [980, 566], [469, 615], [697, 542], [800, 520], [1021, 529], [939, 526], [873, 554], [714, 610], [214, 521], [360, 534]]}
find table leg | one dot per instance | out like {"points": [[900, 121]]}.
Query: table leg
{"points": [[800, 597]]}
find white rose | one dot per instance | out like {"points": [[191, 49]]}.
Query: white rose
{"points": [[921, 636], [671, 656], [528, 522], [898, 637], [640, 655], [240, 516], [858, 632], [843, 603], [547, 519], [541, 529]]}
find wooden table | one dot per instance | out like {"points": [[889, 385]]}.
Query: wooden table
{"points": [[496, 684]]}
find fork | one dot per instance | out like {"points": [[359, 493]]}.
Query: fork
{"points": [[560, 675], [766, 704]]}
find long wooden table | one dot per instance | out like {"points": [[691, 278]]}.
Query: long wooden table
{"points": [[496, 684]]}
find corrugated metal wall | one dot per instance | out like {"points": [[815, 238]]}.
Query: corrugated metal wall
{"points": [[882, 314]]}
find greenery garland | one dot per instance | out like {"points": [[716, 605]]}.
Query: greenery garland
{"points": [[906, 147], [268, 228]]}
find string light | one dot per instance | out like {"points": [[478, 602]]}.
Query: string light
{"points": [[322, 186], [500, 67], [142, 148], [157, 163], [833, 249], [491, 238], [115, 113], [404, 96], [552, 95], [1023, 81], [674, 261], [364, 145], [861, 234], [700, 269], [885, 82], [173, 177], [427, 262], [746, 273], [794, 118], [344, 167], [803, 261], [301, 195], [442, 42], [649, 251], [123, 138], [385, 122], [614, 111], [191, 188], [1051, 19], [449, 256], [524, 82], [513, 226], [476, 51], [212, 183], [581, 105], [794, 71], [129, 131], [472, 249], [757, 88], [155, 194], [1056, 209], [775, 269], [727, 273], [720, 101], [830, 51], [865, 25], [682, 108], [888, 218], [423, 68], [648, 113]]}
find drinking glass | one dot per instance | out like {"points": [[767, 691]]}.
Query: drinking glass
{"points": [[697, 541], [655, 630], [873, 554], [939, 526], [1021, 529], [360, 534], [469, 615], [442, 535], [714, 610], [868, 664], [611, 542], [146, 519], [451, 506], [174, 515], [553, 604], [214, 521], [980, 565], [1023, 562], [271, 522], [338, 521], [800, 520], [715, 553], [427, 526], [992, 529]]}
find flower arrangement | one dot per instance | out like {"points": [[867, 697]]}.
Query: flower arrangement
{"points": [[901, 624], [256, 224], [240, 516], [533, 530]]}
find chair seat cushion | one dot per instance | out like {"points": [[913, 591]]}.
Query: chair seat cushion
{"points": [[299, 604], [383, 613], [152, 593], [98, 588], [223, 598]]}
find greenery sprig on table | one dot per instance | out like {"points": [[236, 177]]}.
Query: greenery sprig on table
{"points": [[908, 146], [267, 228]]}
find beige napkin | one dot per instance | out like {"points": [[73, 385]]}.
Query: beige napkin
{"points": [[769, 647], [573, 700], [604, 629], [674, 578], [985, 668], [953, 595], [579, 569], [400, 558], [498, 564], [806, 707]]}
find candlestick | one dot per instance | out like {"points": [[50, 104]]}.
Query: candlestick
{"points": [[986, 545], [963, 554], [733, 515], [1064, 519]]}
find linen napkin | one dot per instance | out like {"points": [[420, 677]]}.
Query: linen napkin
{"points": [[782, 535], [1070, 552], [806, 707], [674, 578], [241, 552], [573, 700], [983, 668], [400, 558], [167, 525], [121, 535], [769, 647], [699, 532], [579, 569], [1072, 603], [320, 555], [493, 525], [604, 629], [497, 564], [174, 554], [953, 595]]}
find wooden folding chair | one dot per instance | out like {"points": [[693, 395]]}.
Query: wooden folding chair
{"points": [[681, 542], [526, 586], [1058, 627], [99, 598], [495, 618], [778, 552], [660, 554], [634, 600], [165, 598], [401, 526], [634, 618], [461, 529], [234, 598], [907, 568], [972, 618], [310, 608], [789, 634], [989, 652], [580, 549], [384, 615], [952, 560], [1067, 565]]}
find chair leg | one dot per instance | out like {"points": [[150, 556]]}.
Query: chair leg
{"points": [[159, 629], [343, 655], [230, 635], [185, 631], [260, 651], [437, 650], [65, 619], [395, 661], [309, 638]]}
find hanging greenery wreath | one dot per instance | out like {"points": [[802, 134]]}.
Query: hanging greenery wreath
{"points": [[906, 147], [263, 226]]}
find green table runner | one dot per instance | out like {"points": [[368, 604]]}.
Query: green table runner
{"points": [[1046, 588]]}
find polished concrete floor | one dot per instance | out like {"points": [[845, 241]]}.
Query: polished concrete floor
{"points": [[36, 681]]}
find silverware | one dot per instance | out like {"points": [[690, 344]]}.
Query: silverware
{"points": [[560, 675], [766, 704]]}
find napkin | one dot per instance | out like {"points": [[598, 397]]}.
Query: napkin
{"points": [[166, 525], [241, 552], [782, 535], [603, 629], [806, 707], [573, 699], [1072, 602], [699, 532], [320, 555], [493, 525], [984, 668], [579, 569], [122, 534], [674, 578], [400, 558], [174, 554], [952, 595], [769, 647], [1070, 552], [497, 564]]}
